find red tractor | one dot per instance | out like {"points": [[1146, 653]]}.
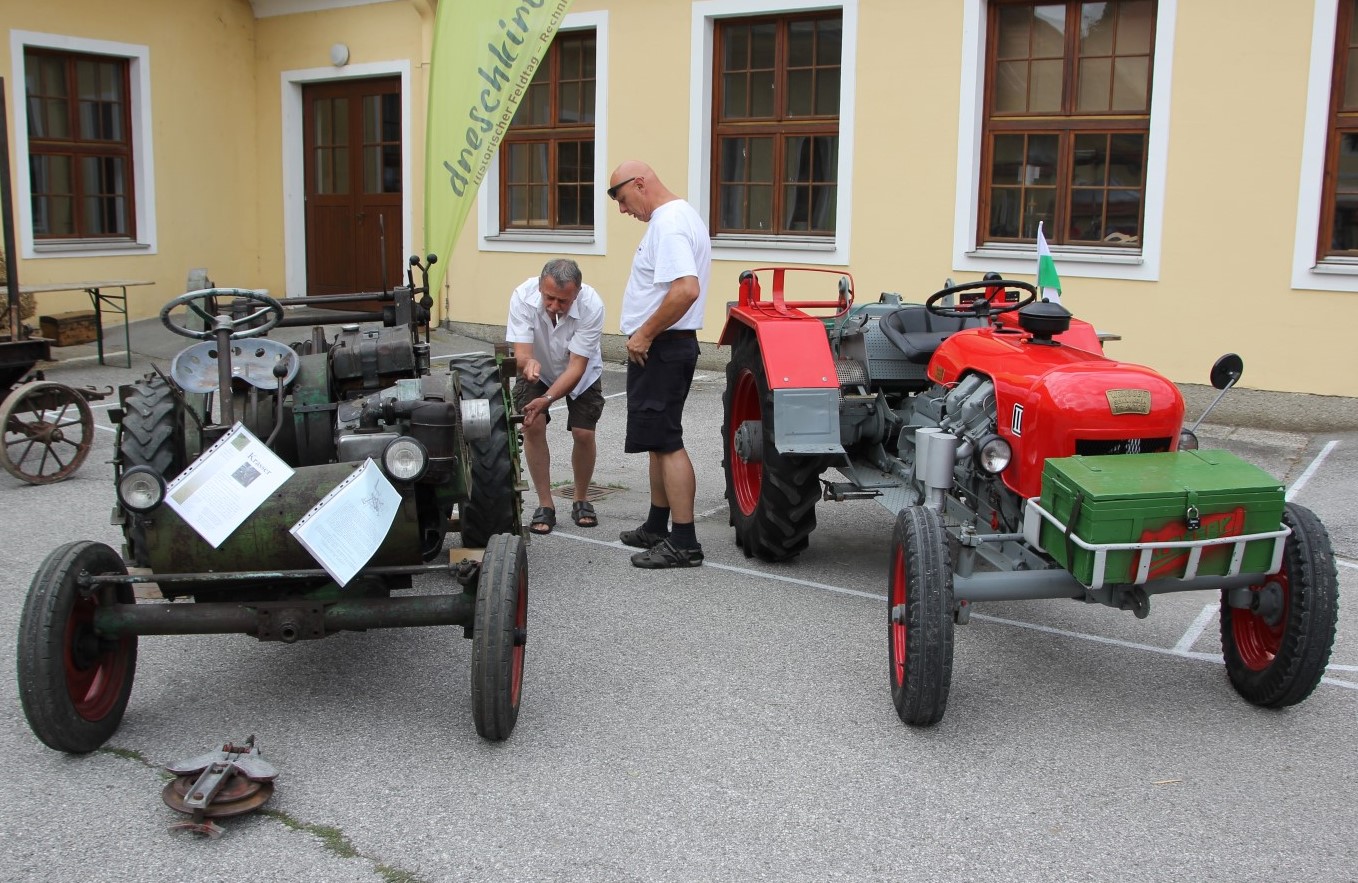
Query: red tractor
{"points": [[1021, 463]]}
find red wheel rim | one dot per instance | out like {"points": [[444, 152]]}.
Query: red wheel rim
{"points": [[520, 639], [94, 675], [746, 477], [1256, 639], [898, 599]]}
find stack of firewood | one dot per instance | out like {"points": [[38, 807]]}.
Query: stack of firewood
{"points": [[27, 304]]}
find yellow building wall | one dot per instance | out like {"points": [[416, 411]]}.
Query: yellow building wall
{"points": [[1239, 86], [1239, 89], [201, 58]]}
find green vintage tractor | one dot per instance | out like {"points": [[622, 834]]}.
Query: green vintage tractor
{"points": [[365, 397]]}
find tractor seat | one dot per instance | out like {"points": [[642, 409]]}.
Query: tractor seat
{"points": [[252, 360], [916, 332]]}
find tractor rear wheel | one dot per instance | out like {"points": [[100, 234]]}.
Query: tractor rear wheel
{"points": [[499, 636], [1276, 654], [152, 428], [495, 506], [919, 607], [73, 683], [772, 496]]}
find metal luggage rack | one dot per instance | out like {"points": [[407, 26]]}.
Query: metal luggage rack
{"points": [[1032, 529]]}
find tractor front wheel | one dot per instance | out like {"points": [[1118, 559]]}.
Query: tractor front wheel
{"points": [[772, 496], [73, 682], [919, 609], [1276, 652], [495, 506], [500, 634]]}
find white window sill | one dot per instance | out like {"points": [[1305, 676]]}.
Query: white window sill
{"points": [[543, 241], [1337, 267], [67, 248], [1060, 254], [779, 249]]}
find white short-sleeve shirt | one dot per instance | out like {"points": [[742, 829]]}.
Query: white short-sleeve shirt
{"points": [[676, 245], [580, 331]]}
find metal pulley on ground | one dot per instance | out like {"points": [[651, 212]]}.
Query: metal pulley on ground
{"points": [[231, 781]]}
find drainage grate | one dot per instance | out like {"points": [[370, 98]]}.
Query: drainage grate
{"points": [[592, 493]]}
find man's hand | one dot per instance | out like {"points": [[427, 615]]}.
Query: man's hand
{"points": [[534, 409], [531, 370], [638, 345]]}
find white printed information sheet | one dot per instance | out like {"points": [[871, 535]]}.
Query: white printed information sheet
{"points": [[222, 487], [345, 529]]}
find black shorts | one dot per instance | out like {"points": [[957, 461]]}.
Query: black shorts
{"points": [[656, 393], [582, 412]]}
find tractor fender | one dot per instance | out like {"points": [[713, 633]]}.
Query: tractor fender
{"points": [[795, 348], [800, 370]]}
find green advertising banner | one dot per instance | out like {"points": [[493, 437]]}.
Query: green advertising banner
{"points": [[484, 56]]}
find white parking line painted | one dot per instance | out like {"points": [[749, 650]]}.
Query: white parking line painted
{"points": [[1045, 629], [1310, 470], [1346, 564], [1195, 630], [107, 355], [840, 590]]}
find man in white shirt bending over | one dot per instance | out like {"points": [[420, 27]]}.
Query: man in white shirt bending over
{"points": [[556, 325]]}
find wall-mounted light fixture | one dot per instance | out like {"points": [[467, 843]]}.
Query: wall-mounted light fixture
{"points": [[339, 55]]}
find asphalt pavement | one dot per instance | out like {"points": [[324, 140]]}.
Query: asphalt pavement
{"points": [[731, 722]]}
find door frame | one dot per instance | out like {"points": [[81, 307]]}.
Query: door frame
{"points": [[294, 183]]}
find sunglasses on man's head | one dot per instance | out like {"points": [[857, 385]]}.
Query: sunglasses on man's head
{"points": [[613, 191]]}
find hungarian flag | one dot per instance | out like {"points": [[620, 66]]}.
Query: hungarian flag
{"points": [[1048, 283], [484, 56]]}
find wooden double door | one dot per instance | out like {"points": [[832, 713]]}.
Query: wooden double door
{"points": [[352, 147]]}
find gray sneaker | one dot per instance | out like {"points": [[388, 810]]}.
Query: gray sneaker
{"points": [[666, 554], [641, 538]]}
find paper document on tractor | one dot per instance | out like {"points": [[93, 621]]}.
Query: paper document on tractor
{"points": [[348, 525], [229, 481]]}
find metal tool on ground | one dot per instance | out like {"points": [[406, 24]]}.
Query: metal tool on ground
{"points": [[231, 781]]}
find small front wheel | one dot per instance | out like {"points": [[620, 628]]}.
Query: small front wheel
{"points": [[73, 682], [1277, 650], [919, 609], [500, 634]]}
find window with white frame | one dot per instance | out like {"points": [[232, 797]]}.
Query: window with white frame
{"points": [[1065, 120], [544, 188], [775, 123], [547, 160], [771, 127], [1068, 89], [83, 139]]}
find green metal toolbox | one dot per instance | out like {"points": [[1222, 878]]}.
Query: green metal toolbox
{"points": [[1131, 518]]}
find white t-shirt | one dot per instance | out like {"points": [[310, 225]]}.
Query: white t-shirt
{"points": [[579, 332], [676, 245]]}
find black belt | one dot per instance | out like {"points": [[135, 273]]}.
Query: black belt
{"points": [[689, 334]]}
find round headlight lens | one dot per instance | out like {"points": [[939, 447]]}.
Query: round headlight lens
{"points": [[1188, 441], [141, 489], [405, 459], [994, 454]]}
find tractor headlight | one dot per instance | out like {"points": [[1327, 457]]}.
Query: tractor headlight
{"points": [[141, 489], [1188, 441], [994, 454], [405, 459]]}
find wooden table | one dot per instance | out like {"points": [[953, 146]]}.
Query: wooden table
{"points": [[102, 298]]}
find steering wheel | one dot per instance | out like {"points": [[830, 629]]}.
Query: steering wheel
{"points": [[981, 307], [271, 308]]}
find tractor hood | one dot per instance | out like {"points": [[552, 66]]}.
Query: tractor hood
{"points": [[1054, 400]]}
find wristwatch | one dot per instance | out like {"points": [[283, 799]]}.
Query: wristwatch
{"points": [[548, 397]]}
